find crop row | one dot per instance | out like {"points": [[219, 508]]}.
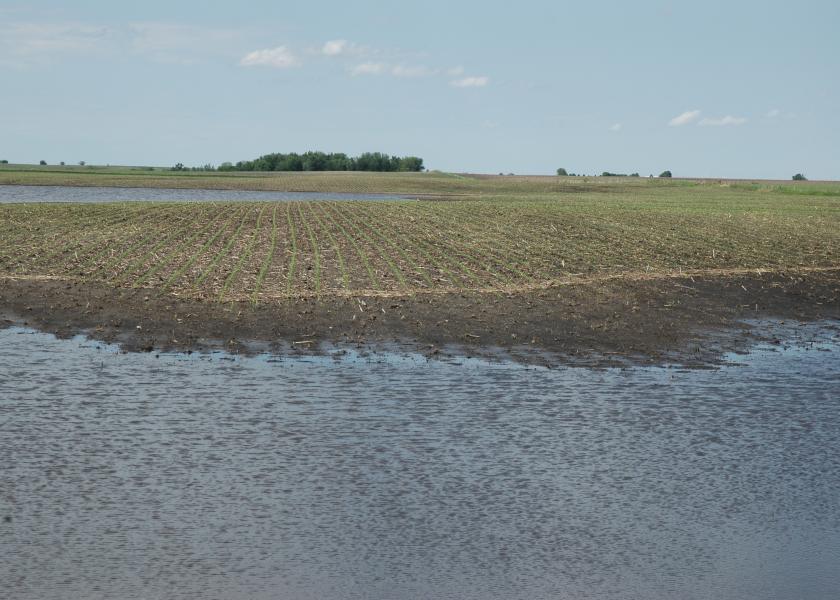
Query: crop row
{"points": [[266, 251]]}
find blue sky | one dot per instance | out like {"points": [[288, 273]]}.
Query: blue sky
{"points": [[708, 89]]}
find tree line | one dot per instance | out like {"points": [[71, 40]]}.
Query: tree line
{"points": [[321, 161]]}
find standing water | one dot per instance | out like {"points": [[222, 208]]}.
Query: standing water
{"points": [[87, 195], [138, 476]]}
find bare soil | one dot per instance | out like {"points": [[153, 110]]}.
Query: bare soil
{"points": [[683, 320]]}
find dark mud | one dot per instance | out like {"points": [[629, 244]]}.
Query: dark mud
{"points": [[688, 321]]}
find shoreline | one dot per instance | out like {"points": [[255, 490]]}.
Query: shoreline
{"points": [[690, 320]]}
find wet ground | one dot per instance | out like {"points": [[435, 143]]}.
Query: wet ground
{"points": [[393, 476], [689, 320], [87, 195]]}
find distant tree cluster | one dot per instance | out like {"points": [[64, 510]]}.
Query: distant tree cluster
{"points": [[181, 167], [665, 174], [43, 163], [320, 161], [564, 173], [4, 162], [799, 177]]}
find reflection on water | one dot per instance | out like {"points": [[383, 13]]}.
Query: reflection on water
{"points": [[58, 193], [135, 476]]}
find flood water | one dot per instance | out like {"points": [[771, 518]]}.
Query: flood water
{"points": [[56, 193], [202, 477]]}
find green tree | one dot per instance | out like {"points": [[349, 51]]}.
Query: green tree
{"points": [[799, 177], [562, 172], [4, 162], [43, 163], [665, 174]]}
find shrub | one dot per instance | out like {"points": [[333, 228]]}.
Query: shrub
{"points": [[562, 172], [799, 177], [81, 163], [43, 163], [665, 174]]}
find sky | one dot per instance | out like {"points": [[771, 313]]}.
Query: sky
{"points": [[737, 88]]}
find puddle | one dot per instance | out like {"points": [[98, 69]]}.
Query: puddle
{"points": [[49, 193]]}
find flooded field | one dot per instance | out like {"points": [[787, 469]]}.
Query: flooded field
{"points": [[172, 476], [93, 195]]}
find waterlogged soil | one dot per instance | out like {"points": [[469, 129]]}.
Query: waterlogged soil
{"points": [[690, 321]]}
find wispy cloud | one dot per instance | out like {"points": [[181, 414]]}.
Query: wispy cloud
{"points": [[416, 71], [172, 42], [369, 68], [455, 71], [28, 43], [616, 127], [277, 58], [772, 114], [23, 44], [334, 48], [470, 82], [685, 118], [722, 121]]}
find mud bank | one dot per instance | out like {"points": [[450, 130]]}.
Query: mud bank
{"points": [[689, 321]]}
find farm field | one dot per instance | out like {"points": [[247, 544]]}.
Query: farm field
{"points": [[472, 268], [432, 183], [261, 252]]}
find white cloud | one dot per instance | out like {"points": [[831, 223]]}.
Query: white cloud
{"points": [[685, 118], [185, 44], [470, 82], [722, 121], [368, 68], [24, 43], [334, 48], [278, 58], [403, 71], [772, 114], [616, 127], [455, 71]]}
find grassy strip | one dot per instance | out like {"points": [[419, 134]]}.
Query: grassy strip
{"points": [[245, 256], [223, 252], [422, 248], [485, 250], [417, 241], [80, 237], [391, 265], [106, 247], [314, 244], [293, 259], [35, 219], [177, 251], [180, 272], [107, 266], [345, 278], [374, 280], [266, 265], [414, 266], [178, 233]]}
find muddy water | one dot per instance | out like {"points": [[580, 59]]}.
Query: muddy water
{"points": [[55, 193], [136, 476]]}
